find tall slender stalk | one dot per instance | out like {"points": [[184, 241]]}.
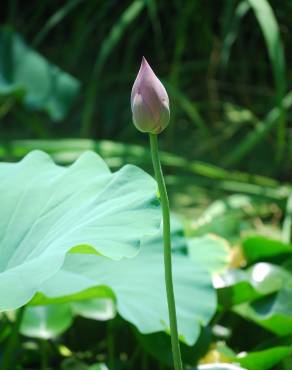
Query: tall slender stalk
{"points": [[145, 361], [110, 345], [287, 224], [44, 354], [167, 252], [9, 353]]}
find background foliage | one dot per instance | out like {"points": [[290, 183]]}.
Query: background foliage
{"points": [[66, 71]]}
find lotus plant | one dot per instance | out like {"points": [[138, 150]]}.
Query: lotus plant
{"points": [[151, 113]]}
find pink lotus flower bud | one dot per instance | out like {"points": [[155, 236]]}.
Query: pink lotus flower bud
{"points": [[149, 101]]}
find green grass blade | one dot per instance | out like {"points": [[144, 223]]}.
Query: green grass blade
{"points": [[114, 36], [232, 31], [116, 154], [287, 224], [262, 128], [54, 20], [270, 29], [182, 22], [156, 25], [188, 107]]}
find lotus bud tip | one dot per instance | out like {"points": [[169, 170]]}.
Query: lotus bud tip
{"points": [[149, 101]]}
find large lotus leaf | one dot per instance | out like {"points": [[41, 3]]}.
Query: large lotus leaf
{"points": [[158, 345], [27, 74], [273, 312], [269, 288], [100, 309], [265, 359], [138, 285], [48, 210], [223, 217], [75, 364], [238, 286], [52, 320], [210, 251], [178, 240], [46, 322], [258, 248], [218, 366], [235, 202], [98, 367]]}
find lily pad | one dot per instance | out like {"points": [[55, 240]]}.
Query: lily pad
{"points": [[264, 292], [50, 321], [28, 75], [273, 312], [259, 248], [46, 322], [211, 251], [238, 286], [265, 359], [75, 364], [158, 345], [98, 367], [100, 309], [219, 366], [138, 285], [49, 210], [178, 239]]}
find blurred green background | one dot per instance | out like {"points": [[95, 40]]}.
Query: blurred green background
{"points": [[66, 73], [67, 68], [224, 63]]}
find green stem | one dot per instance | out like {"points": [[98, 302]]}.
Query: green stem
{"points": [[144, 361], [134, 357], [9, 353], [287, 224], [44, 354], [110, 345], [167, 252]]}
